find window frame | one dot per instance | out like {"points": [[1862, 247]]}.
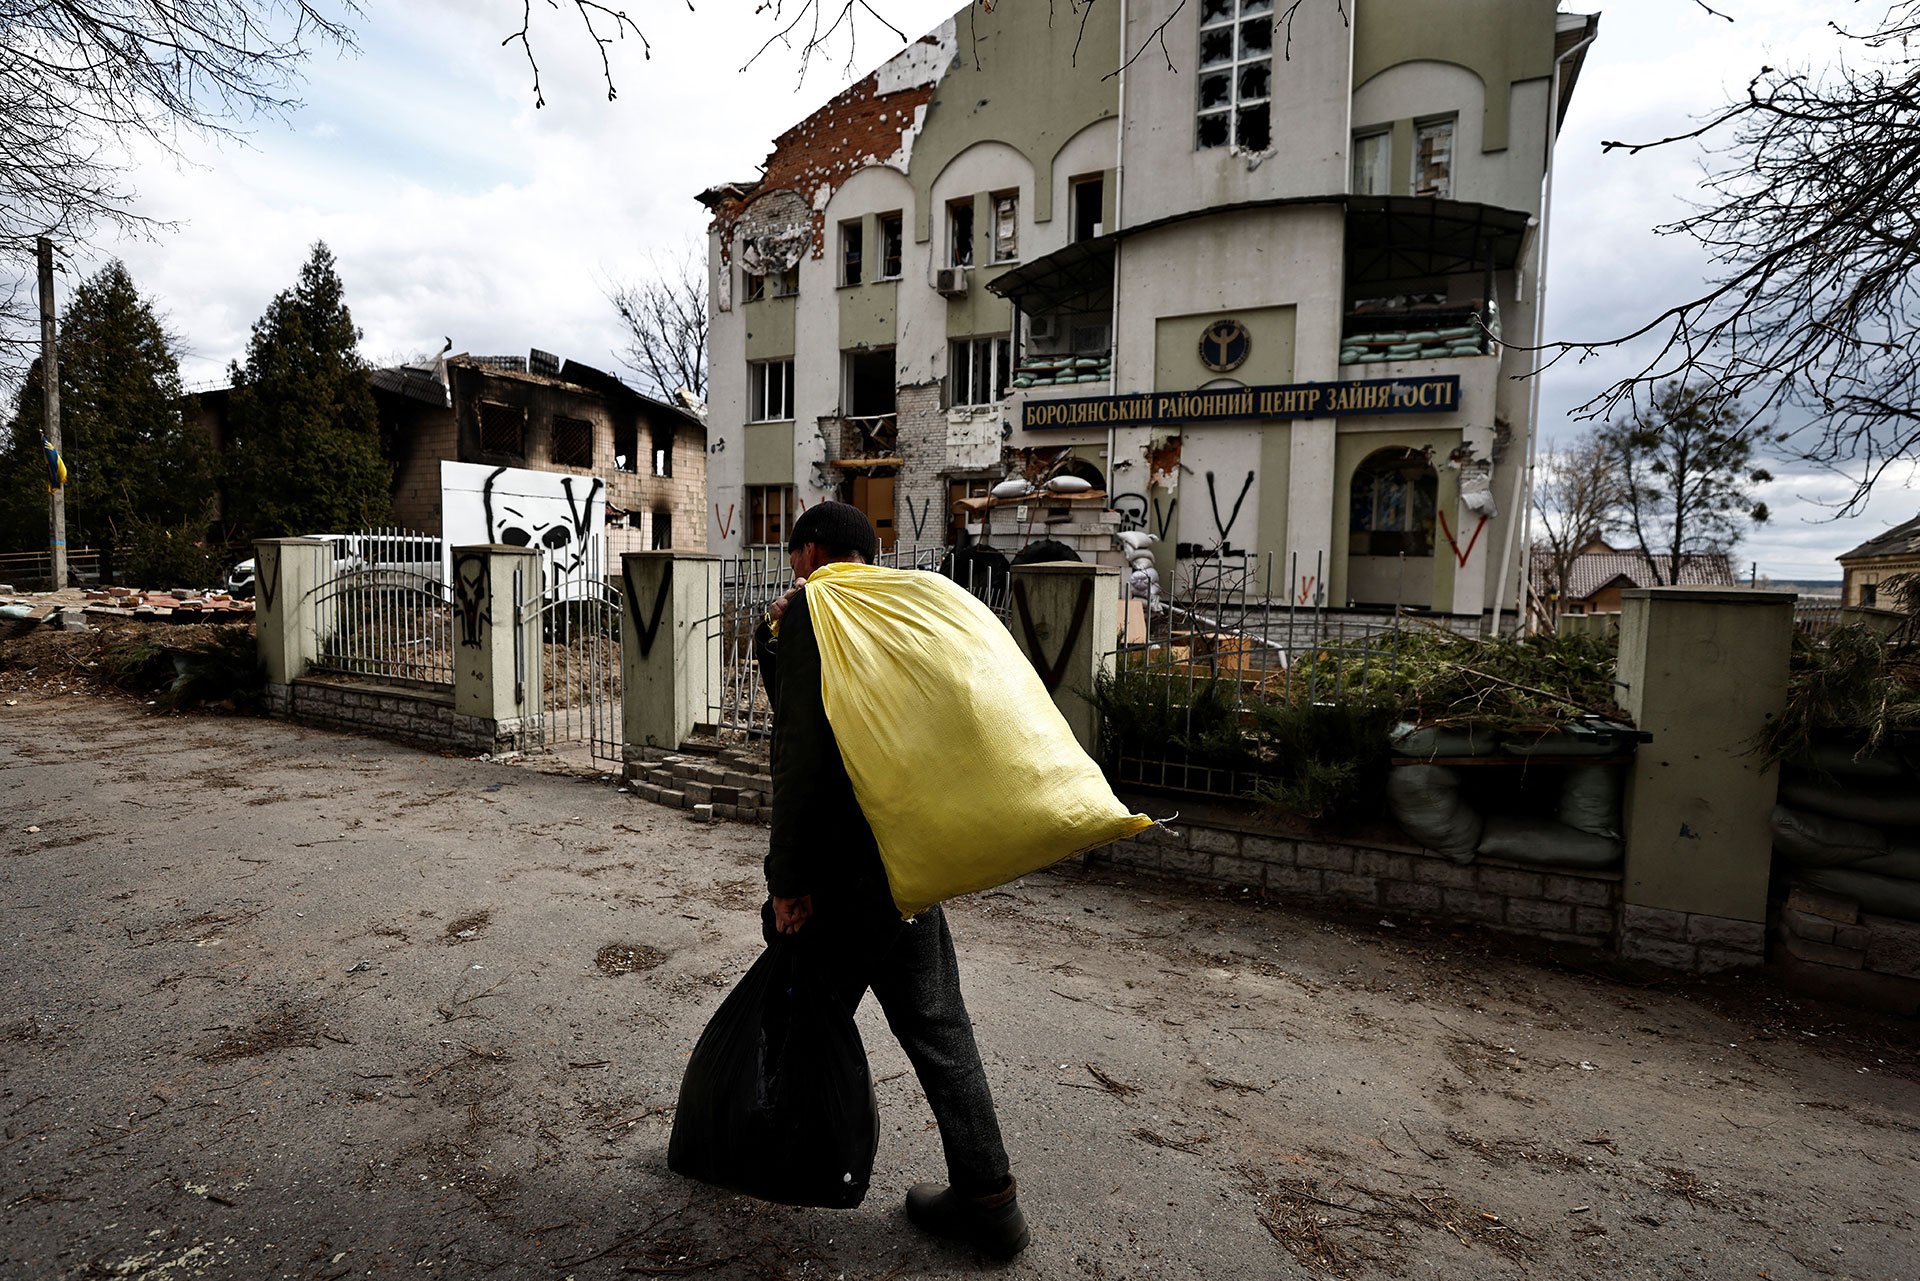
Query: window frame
{"points": [[892, 229], [964, 370], [959, 212], [753, 286], [852, 250], [761, 377], [1382, 167], [554, 437], [1234, 17], [1078, 189], [1003, 226], [1431, 127], [756, 526], [660, 530], [480, 428]]}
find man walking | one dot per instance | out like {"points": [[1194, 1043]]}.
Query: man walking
{"points": [[824, 876]]}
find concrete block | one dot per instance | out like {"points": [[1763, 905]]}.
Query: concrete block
{"points": [[1474, 905], [1893, 947], [1283, 878], [1718, 960], [1806, 925], [1593, 922], [1814, 903], [1672, 954], [1392, 867], [1351, 888], [1511, 882], [751, 798], [1267, 849], [1443, 872], [1538, 914], [728, 796], [697, 793], [1845, 958], [1652, 922], [1408, 896], [1583, 890], [702, 813], [1214, 841], [1329, 858], [1233, 870], [1184, 862], [1725, 932], [670, 796]]}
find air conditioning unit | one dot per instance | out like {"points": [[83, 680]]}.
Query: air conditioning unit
{"points": [[1043, 328], [950, 280]]}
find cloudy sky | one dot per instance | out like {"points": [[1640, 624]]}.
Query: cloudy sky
{"points": [[459, 210]]}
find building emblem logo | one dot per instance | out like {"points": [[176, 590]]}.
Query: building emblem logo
{"points": [[1225, 346]]}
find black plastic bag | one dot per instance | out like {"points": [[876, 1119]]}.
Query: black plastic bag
{"points": [[777, 1101]]}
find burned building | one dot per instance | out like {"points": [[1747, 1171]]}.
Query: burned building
{"points": [[1252, 290]]}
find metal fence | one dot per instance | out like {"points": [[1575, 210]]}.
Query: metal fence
{"points": [[1192, 671], [390, 617], [83, 563], [578, 617], [739, 708]]}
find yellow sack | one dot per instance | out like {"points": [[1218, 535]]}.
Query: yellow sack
{"points": [[966, 771]]}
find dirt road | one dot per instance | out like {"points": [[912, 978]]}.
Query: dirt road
{"points": [[276, 1002]]}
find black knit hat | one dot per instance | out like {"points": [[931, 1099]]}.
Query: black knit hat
{"points": [[838, 527]]}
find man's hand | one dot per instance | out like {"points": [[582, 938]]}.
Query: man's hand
{"points": [[779, 607], [789, 914]]}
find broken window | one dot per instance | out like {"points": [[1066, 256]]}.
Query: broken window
{"points": [[889, 246], [850, 237], [1372, 163], [1393, 500], [977, 370], [626, 449], [662, 531], [1089, 196], [770, 385], [960, 233], [786, 283], [770, 515], [754, 288], [867, 383], [503, 429], [1236, 72], [572, 442], [663, 448], [1433, 159], [1006, 226]]}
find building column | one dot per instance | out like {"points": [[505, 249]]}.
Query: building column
{"points": [[1702, 670], [670, 664], [286, 625], [1308, 554], [497, 650], [1066, 620]]}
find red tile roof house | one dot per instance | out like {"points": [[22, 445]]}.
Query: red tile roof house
{"points": [[1599, 574]]}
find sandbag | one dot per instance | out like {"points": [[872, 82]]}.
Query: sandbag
{"points": [[1881, 895], [1546, 842], [777, 1101], [1841, 762], [1425, 801], [1590, 799], [1899, 810], [1815, 840], [966, 771], [1431, 740], [1901, 862]]}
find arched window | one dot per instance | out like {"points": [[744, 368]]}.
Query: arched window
{"points": [[1393, 502]]}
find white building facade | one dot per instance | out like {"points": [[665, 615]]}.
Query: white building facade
{"points": [[1255, 299]]}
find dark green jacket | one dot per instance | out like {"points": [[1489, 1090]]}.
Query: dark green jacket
{"points": [[821, 842]]}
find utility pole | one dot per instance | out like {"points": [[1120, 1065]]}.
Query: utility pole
{"points": [[50, 383]]}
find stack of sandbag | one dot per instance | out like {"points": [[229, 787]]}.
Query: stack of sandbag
{"points": [[1855, 833]]}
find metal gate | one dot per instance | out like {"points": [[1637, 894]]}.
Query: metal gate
{"points": [[382, 608], [575, 622]]}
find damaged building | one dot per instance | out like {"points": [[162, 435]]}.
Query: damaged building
{"points": [[1248, 295]]}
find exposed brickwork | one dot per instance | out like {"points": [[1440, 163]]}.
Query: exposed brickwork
{"points": [[1691, 941], [423, 716], [731, 783], [1830, 947], [858, 127], [920, 492]]}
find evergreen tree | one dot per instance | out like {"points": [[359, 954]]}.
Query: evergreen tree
{"points": [[134, 461], [303, 451]]}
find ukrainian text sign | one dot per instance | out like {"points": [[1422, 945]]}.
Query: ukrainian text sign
{"points": [[1435, 395]]}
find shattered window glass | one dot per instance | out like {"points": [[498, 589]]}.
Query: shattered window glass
{"points": [[889, 246], [1433, 159], [960, 232], [1236, 57]]}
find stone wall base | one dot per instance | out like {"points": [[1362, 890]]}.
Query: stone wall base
{"points": [[410, 714], [713, 782], [1691, 941], [1829, 947]]}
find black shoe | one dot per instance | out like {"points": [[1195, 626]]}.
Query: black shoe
{"points": [[994, 1223]]}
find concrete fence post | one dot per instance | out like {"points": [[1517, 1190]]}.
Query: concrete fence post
{"points": [[669, 665], [1066, 620], [1702, 670], [286, 626], [497, 652]]}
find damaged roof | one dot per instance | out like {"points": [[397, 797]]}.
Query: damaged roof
{"points": [[1901, 540]]}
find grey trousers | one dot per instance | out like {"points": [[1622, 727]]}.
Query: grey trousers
{"points": [[913, 973]]}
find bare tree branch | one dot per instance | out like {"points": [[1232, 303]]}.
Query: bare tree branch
{"points": [[666, 320]]}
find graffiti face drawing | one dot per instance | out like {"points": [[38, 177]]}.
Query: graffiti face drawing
{"points": [[556, 515]]}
